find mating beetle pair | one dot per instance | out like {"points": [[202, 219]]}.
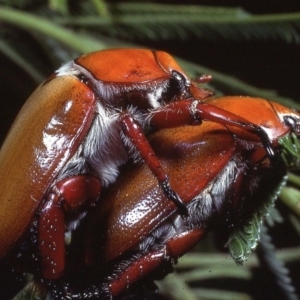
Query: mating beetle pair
{"points": [[222, 173], [76, 130]]}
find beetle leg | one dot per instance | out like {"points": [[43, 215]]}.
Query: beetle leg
{"points": [[218, 115], [72, 196], [192, 112], [135, 133], [143, 265]]}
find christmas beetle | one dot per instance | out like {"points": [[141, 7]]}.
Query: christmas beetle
{"points": [[79, 126], [222, 173]]}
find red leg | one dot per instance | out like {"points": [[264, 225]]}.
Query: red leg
{"points": [[135, 133], [192, 112], [69, 196], [126, 275], [174, 248]]}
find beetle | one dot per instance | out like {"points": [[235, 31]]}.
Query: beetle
{"points": [[78, 127], [221, 172]]}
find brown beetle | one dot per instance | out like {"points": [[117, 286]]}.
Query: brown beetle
{"points": [[220, 172]]}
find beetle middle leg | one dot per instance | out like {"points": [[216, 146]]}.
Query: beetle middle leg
{"points": [[70, 196], [135, 133]]}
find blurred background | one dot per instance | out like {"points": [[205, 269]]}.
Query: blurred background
{"points": [[249, 47]]}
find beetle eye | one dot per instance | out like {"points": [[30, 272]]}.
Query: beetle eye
{"points": [[179, 85], [203, 79], [293, 123], [180, 79]]}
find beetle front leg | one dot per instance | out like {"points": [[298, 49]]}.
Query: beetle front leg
{"points": [[135, 133], [69, 196], [192, 112]]}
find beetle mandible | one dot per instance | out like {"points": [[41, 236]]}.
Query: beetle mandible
{"points": [[75, 130], [220, 172]]}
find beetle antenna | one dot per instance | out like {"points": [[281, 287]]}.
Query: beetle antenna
{"points": [[203, 79]]}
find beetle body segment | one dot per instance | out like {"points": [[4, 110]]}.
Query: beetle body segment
{"points": [[46, 133], [133, 66]]}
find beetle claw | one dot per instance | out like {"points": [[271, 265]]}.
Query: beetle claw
{"points": [[60, 290], [181, 206]]}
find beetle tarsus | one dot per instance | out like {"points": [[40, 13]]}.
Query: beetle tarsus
{"points": [[267, 145], [94, 292], [175, 198], [60, 290]]}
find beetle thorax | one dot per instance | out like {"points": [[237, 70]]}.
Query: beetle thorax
{"points": [[141, 95]]}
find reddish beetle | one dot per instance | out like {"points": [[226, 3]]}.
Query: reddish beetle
{"points": [[72, 135], [220, 173]]}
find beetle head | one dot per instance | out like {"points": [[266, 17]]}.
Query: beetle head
{"points": [[294, 123], [290, 143]]}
